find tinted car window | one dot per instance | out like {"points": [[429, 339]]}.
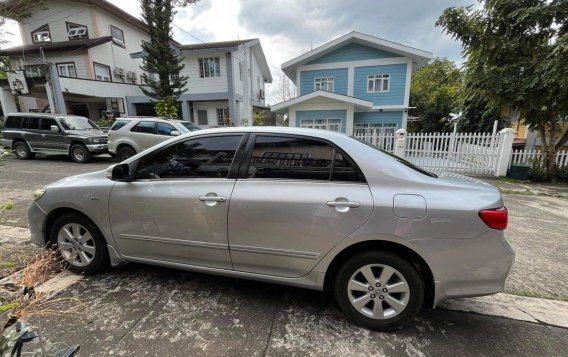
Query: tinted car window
{"points": [[200, 157], [46, 123], [118, 124], [343, 169], [144, 127], [13, 122], [31, 123], [290, 158], [165, 129]]}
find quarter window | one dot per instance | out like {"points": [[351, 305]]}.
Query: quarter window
{"points": [[209, 67], [209, 157], [378, 83], [66, 70], [13, 123], [118, 124], [117, 35], [276, 157], [146, 127], [325, 84]]}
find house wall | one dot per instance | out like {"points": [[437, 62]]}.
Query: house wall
{"points": [[211, 108], [397, 86], [395, 117], [56, 14], [307, 80], [257, 81], [79, 58]]}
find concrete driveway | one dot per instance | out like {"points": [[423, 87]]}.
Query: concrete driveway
{"points": [[142, 310]]}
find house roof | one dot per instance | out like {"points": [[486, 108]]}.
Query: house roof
{"points": [[215, 45], [56, 46], [360, 104], [419, 57]]}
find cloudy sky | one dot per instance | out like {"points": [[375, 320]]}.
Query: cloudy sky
{"points": [[287, 28]]}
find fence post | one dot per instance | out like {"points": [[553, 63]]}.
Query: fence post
{"points": [[400, 143], [504, 151]]}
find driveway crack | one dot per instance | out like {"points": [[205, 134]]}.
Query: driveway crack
{"points": [[274, 315]]}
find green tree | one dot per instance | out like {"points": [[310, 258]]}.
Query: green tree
{"points": [[434, 94], [479, 114], [517, 55], [258, 119], [161, 58], [167, 108]]}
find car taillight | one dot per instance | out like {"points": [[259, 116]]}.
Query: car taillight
{"points": [[495, 218]]}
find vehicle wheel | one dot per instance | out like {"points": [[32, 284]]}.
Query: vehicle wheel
{"points": [[379, 290], [80, 153], [80, 243], [125, 152], [23, 151]]}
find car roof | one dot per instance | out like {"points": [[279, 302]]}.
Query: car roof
{"points": [[324, 134], [19, 114]]}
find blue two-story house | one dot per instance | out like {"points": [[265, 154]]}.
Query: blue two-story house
{"points": [[355, 82]]}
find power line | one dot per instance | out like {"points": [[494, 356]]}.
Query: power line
{"points": [[184, 31]]}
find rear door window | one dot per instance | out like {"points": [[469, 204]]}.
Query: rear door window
{"points": [[280, 157], [146, 127], [31, 123], [13, 123]]}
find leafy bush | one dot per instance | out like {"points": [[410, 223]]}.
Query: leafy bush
{"points": [[167, 108], [537, 173], [562, 174]]}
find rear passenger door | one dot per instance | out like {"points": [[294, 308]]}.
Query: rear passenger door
{"points": [[143, 134], [30, 125], [295, 199]]}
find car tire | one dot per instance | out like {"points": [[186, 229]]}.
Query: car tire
{"points": [[395, 298], [79, 243], [79, 153], [124, 153], [22, 150]]}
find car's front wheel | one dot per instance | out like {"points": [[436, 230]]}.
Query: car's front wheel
{"points": [[379, 290], [23, 151], [80, 243], [80, 153]]}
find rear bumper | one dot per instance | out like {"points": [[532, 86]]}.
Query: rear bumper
{"points": [[6, 143], [36, 220], [468, 267]]}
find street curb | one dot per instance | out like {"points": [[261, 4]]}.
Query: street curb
{"points": [[522, 308]]}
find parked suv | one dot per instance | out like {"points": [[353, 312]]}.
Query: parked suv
{"points": [[28, 134], [129, 136]]}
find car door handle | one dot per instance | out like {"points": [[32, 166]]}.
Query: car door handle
{"points": [[212, 199], [349, 204]]}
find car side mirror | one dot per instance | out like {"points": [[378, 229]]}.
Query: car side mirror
{"points": [[175, 133], [118, 172], [55, 128]]}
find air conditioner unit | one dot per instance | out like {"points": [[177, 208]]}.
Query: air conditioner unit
{"points": [[131, 75], [260, 94], [119, 71]]}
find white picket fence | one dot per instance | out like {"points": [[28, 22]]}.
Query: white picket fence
{"points": [[528, 157], [468, 153]]}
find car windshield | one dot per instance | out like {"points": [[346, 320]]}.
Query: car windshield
{"points": [[190, 126], [77, 123], [402, 161]]}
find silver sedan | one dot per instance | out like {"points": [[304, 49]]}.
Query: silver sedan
{"points": [[308, 208]]}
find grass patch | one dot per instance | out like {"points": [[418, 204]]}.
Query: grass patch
{"points": [[7, 264], [515, 192], [537, 295], [9, 306]]}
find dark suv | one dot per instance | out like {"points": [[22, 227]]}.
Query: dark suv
{"points": [[52, 134]]}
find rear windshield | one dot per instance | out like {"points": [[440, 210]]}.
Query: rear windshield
{"points": [[118, 124], [402, 161], [77, 123]]}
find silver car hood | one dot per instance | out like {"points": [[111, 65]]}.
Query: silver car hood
{"points": [[86, 180]]}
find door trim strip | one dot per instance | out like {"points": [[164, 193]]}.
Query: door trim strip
{"points": [[191, 243], [283, 252]]}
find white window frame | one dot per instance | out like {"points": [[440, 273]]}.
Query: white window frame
{"points": [[380, 128], [100, 77], [67, 70], [321, 82], [331, 124], [76, 31], [44, 30], [115, 31], [209, 67], [380, 79], [221, 112]]}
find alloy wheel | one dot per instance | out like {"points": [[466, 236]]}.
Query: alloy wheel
{"points": [[79, 154], [378, 291], [76, 244], [21, 150]]}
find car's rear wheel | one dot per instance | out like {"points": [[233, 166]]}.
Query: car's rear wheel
{"points": [[125, 152], [379, 290], [80, 243], [23, 151], [80, 153]]}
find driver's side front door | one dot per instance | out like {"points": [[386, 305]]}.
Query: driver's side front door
{"points": [[176, 208]]}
